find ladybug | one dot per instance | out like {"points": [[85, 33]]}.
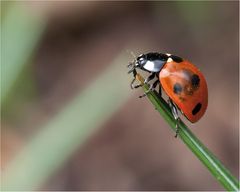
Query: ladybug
{"points": [[182, 82]]}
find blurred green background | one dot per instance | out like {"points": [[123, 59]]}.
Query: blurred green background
{"points": [[69, 118]]}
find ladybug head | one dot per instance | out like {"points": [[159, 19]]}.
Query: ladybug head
{"points": [[137, 63], [141, 60]]}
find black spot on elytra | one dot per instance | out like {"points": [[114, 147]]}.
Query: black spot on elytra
{"points": [[177, 88], [195, 80], [196, 109], [176, 58]]}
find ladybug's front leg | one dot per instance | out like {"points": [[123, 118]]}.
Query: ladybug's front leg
{"points": [[134, 79], [149, 78], [175, 115]]}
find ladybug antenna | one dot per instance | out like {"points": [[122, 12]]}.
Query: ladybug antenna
{"points": [[132, 65], [134, 56], [132, 53]]}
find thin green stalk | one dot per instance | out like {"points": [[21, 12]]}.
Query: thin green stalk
{"points": [[228, 181], [20, 34], [70, 129]]}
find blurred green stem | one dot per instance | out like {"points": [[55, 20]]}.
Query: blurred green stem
{"points": [[68, 130], [228, 181], [20, 33]]}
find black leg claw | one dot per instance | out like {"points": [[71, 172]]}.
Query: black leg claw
{"points": [[133, 86], [175, 115], [141, 96], [145, 94], [137, 86]]}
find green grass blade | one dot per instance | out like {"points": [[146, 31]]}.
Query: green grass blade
{"points": [[65, 133], [20, 32], [228, 181]]}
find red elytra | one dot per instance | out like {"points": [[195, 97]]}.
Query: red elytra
{"points": [[187, 87]]}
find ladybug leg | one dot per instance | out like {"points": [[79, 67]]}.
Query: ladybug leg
{"points": [[160, 90], [149, 78], [134, 79], [155, 84], [177, 127], [175, 115], [135, 86], [151, 88], [132, 82]]}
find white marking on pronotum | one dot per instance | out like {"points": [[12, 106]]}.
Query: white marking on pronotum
{"points": [[169, 58]]}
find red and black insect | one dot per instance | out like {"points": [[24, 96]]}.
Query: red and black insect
{"points": [[182, 82]]}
